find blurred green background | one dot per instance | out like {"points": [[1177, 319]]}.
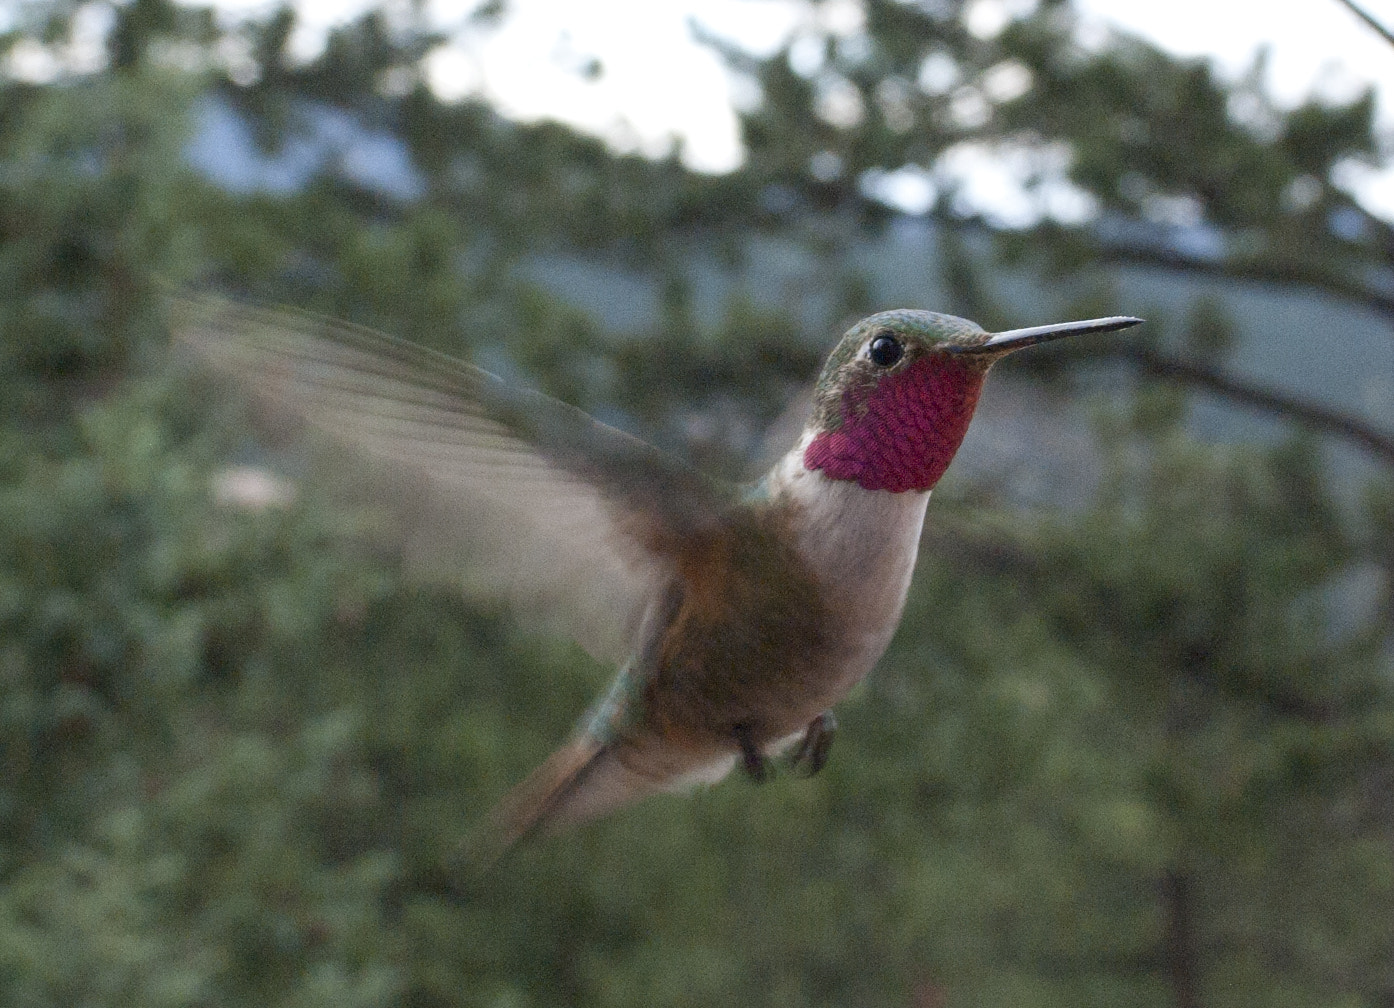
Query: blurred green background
{"points": [[1134, 743]]}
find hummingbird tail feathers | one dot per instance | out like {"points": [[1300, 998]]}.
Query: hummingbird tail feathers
{"points": [[582, 780]]}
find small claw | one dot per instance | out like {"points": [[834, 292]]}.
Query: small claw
{"points": [[812, 752], [757, 768]]}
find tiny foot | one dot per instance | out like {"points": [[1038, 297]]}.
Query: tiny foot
{"points": [[756, 767], [811, 755]]}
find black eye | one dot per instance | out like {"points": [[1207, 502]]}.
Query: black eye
{"points": [[885, 350]]}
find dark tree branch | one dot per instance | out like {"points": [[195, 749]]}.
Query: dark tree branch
{"points": [[1363, 16], [1265, 400], [1179, 939], [1269, 272]]}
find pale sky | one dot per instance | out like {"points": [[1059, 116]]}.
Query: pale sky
{"points": [[658, 84]]}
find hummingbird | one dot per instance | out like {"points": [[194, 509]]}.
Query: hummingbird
{"points": [[737, 615]]}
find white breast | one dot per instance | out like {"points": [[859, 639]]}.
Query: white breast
{"points": [[862, 544]]}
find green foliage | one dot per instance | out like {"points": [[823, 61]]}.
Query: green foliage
{"points": [[1134, 751], [88, 198], [1220, 731]]}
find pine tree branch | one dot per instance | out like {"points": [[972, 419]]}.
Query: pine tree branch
{"points": [[1260, 398], [1291, 274]]}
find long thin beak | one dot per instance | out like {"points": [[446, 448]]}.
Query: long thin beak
{"points": [[1015, 339]]}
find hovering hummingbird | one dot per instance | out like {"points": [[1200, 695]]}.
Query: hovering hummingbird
{"points": [[738, 615]]}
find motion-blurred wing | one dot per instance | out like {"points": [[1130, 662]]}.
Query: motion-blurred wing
{"points": [[512, 492]]}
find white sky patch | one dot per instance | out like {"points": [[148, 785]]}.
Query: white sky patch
{"points": [[1012, 185], [655, 85], [84, 53], [987, 18], [1374, 189], [1314, 47], [1314, 44], [658, 83], [909, 189], [32, 63]]}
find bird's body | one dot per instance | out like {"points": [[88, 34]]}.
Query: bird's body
{"points": [[745, 613], [762, 631]]}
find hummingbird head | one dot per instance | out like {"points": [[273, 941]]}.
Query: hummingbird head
{"points": [[896, 395]]}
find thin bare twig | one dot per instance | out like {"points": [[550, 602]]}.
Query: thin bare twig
{"points": [[1384, 32]]}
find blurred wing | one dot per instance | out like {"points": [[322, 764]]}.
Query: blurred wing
{"points": [[510, 491], [785, 431]]}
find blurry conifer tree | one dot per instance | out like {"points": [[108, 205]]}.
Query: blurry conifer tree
{"points": [[1133, 751]]}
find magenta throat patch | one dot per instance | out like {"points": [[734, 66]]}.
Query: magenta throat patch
{"points": [[902, 433]]}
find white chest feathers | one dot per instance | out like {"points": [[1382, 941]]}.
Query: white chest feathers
{"points": [[861, 544]]}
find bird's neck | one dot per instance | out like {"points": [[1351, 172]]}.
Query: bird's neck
{"points": [[860, 543]]}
